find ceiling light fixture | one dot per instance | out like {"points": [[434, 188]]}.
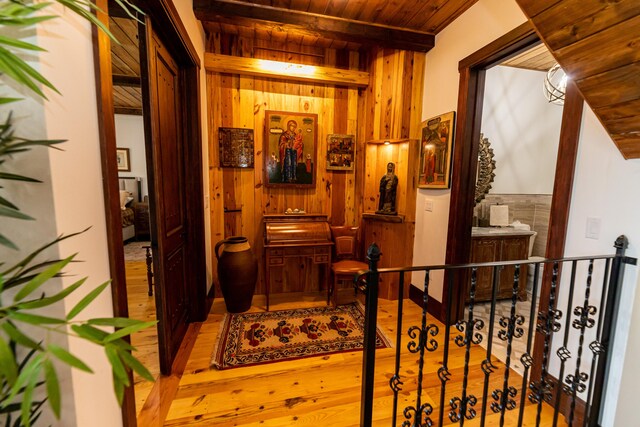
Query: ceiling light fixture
{"points": [[555, 85]]}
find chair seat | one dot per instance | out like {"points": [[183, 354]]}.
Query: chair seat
{"points": [[347, 266]]}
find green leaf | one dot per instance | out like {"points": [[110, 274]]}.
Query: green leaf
{"points": [[34, 319], [41, 278], [53, 387], [19, 337], [84, 302], [89, 333], [5, 202], [5, 100], [9, 41], [14, 177], [116, 322], [29, 371], [43, 302], [8, 365], [27, 397], [135, 364], [116, 364], [118, 388], [68, 358], [128, 330], [7, 243], [12, 213]]}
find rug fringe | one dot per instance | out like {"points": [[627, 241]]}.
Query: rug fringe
{"points": [[218, 347]]}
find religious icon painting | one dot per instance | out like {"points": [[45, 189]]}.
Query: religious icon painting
{"points": [[290, 149], [341, 152], [235, 147], [436, 141]]}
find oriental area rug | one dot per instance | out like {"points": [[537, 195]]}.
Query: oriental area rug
{"points": [[248, 339]]}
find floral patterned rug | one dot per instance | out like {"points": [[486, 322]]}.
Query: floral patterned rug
{"points": [[247, 339]]}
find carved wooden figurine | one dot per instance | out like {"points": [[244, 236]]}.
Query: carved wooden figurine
{"points": [[388, 187]]}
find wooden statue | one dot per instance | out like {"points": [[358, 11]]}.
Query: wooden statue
{"points": [[388, 187]]}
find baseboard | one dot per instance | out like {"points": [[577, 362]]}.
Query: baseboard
{"points": [[565, 402], [434, 307]]}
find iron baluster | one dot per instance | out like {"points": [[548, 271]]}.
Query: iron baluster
{"points": [[395, 382], [609, 322], [487, 366], [421, 411], [576, 383], [547, 324], [462, 407], [513, 329], [369, 346], [443, 372], [563, 352], [595, 346], [526, 359]]}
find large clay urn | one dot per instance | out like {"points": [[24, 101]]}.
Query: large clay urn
{"points": [[237, 272]]}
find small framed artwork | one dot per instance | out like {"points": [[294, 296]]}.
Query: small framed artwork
{"points": [[290, 146], [436, 151], [124, 162], [341, 152], [236, 147]]}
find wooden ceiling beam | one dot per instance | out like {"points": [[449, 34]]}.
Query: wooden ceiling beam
{"points": [[123, 80], [284, 70], [241, 13]]}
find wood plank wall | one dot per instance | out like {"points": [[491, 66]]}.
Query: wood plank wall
{"points": [[388, 108]]}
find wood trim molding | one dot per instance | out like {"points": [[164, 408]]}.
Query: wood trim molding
{"points": [[128, 81], [284, 70], [107, 129], [246, 14], [434, 307]]}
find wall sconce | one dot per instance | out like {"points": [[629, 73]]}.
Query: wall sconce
{"points": [[555, 85]]}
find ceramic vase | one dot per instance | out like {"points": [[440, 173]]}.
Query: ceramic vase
{"points": [[237, 272]]}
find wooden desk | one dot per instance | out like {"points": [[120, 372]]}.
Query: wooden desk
{"points": [[286, 236]]}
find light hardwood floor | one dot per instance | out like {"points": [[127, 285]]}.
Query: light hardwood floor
{"points": [[319, 391]]}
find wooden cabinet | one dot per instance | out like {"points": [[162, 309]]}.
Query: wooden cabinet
{"points": [[497, 248]]}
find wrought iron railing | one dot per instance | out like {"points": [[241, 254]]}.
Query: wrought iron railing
{"points": [[562, 376]]}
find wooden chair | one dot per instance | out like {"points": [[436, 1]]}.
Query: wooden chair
{"points": [[347, 250]]}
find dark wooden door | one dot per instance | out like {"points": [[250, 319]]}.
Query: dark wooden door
{"points": [[168, 208]]}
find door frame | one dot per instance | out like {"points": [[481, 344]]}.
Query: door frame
{"points": [[470, 102], [164, 15]]}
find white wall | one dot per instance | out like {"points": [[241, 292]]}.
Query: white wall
{"points": [[523, 130], [130, 134], [606, 187], [484, 22]]}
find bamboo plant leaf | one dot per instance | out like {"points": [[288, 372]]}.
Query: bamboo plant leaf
{"points": [[84, 302], [34, 319], [29, 370], [53, 387], [27, 396], [128, 331], [4, 241], [5, 202], [68, 358], [15, 177], [18, 336], [41, 278], [12, 213], [116, 322], [10, 41], [43, 302], [8, 365], [116, 364], [137, 367]]}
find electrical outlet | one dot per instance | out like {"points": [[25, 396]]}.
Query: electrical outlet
{"points": [[593, 228], [428, 205]]}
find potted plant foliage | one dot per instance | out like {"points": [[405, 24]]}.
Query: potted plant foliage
{"points": [[27, 361]]}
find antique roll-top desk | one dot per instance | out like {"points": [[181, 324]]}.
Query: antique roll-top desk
{"points": [[287, 236]]}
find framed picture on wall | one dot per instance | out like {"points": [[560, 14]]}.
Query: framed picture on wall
{"points": [[290, 146], [124, 162], [341, 152], [436, 141], [235, 147]]}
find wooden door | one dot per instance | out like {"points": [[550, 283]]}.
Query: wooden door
{"points": [[168, 210]]}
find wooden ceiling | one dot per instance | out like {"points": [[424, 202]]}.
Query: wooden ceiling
{"points": [[399, 24], [537, 58], [597, 43], [125, 59]]}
